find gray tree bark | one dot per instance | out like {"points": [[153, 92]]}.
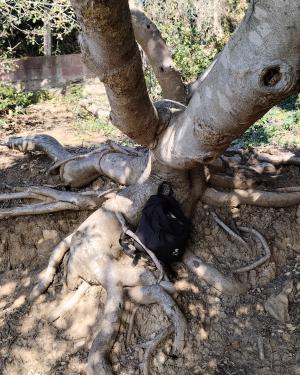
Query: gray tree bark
{"points": [[258, 68]]}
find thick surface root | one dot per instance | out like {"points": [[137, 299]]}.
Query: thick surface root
{"points": [[251, 197], [98, 363], [206, 272], [151, 347], [56, 258], [39, 142], [284, 158], [66, 306], [156, 294]]}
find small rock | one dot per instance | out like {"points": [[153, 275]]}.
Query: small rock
{"points": [[277, 306], [50, 235], [268, 274], [161, 358]]}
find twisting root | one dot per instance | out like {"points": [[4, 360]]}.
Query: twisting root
{"points": [[53, 201], [130, 326], [66, 306], [98, 356], [265, 246], [55, 260], [152, 345], [153, 257], [228, 230], [244, 243], [212, 276], [156, 294]]}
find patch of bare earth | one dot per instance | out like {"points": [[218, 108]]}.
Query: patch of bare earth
{"points": [[253, 334]]}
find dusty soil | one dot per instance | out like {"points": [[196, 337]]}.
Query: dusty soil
{"points": [[226, 335]]}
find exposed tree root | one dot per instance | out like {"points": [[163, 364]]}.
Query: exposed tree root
{"points": [[228, 182], [286, 158], [225, 284], [66, 306], [95, 255], [260, 261], [55, 259], [244, 243], [98, 363], [52, 201], [228, 230], [251, 197], [130, 325], [99, 236], [39, 142], [156, 294], [151, 347]]}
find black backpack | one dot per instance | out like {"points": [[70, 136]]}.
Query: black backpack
{"points": [[163, 227]]}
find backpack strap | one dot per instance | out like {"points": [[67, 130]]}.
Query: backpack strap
{"points": [[129, 233]]}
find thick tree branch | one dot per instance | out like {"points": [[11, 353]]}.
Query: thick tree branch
{"points": [[160, 58], [110, 51], [259, 67]]}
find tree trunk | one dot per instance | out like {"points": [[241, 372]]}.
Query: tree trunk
{"points": [[110, 51], [258, 68], [47, 39]]}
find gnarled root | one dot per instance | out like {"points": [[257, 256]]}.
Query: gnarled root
{"points": [[52, 201], [39, 142], [282, 158], [98, 363], [56, 257], [260, 198], [120, 163], [225, 284], [156, 294]]}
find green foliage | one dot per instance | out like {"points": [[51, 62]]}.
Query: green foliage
{"points": [[12, 99], [193, 50], [280, 126], [88, 123], [23, 21], [194, 34]]}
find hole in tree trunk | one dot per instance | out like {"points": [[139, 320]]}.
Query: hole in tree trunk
{"points": [[271, 76]]}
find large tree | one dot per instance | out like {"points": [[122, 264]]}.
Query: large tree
{"points": [[184, 137]]}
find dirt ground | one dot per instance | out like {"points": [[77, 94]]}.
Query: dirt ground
{"points": [[226, 335]]}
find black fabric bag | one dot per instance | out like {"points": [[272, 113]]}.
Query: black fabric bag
{"points": [[163, 227]]}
